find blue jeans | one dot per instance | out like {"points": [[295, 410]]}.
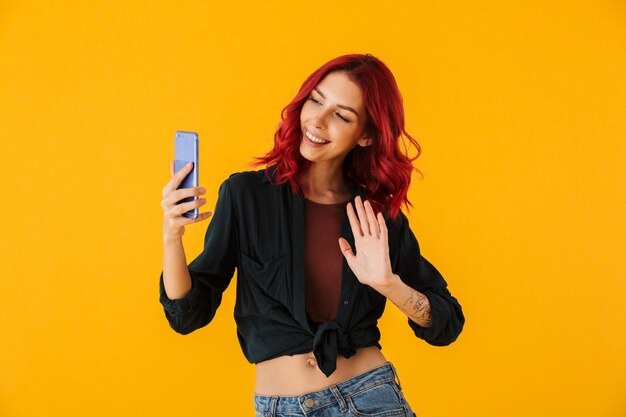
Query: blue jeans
{"points": [[373, 393]]}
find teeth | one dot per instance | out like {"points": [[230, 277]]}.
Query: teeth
{"points": [[314, 139]]}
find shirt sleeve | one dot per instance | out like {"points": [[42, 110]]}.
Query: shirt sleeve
{"points": [[211, 271], [418, 273]]}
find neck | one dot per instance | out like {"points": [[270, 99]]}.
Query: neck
{"points": [[321, 182]]}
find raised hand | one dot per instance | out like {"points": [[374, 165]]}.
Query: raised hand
{"points": [[371, 264]]}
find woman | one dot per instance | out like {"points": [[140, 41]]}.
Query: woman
{"points": [[320, 244]]}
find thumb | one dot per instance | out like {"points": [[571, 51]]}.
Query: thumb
{"points": [[346, 249]]}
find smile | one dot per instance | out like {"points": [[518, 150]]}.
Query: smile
{"points": [[315, 138]]}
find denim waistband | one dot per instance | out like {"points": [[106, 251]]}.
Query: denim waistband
{"points": [[337, 393]]}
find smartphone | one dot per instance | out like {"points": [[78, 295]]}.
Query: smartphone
{"points": [[185, 151]]}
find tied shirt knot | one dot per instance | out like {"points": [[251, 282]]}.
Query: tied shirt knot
{"points": [[331, 339]]}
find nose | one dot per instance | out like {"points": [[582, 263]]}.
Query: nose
{"points": [[319, 120]]}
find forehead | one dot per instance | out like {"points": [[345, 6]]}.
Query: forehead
{"points": [[340, 89]]}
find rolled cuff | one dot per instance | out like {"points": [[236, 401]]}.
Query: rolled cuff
{"points": [[180, 312], [446, 326]]}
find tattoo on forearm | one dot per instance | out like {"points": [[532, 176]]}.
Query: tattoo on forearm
{"points": [[417, 306]]}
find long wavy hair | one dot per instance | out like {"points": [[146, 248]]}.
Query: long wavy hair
{"points": [[382, 168]]}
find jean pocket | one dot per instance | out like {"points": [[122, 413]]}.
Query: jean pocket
{"points": [[377, 401], [400, 394]]}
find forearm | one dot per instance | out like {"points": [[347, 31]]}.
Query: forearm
{"points": [[412, 302], [176, 278]]}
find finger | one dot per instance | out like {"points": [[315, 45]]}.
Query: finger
{"points": [[184, 221], [176, 179], [346, 250], [182, 173], [365, 226], [203, 216], [172, 198], [383, 226], [371, 218], [179, 176], [182, 193], [178, 209], [354, 222]]}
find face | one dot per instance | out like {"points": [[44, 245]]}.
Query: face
{"points": [[333, 114]]}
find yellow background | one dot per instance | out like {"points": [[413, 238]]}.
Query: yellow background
{"points": [[519, 108]]}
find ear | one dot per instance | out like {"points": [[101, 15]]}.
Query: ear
{"points": [[365, 141]]}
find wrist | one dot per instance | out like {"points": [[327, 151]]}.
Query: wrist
{"points": [[393, 282], [172, 240]]}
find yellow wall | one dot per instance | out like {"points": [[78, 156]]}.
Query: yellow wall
{"points": [[519, 108]]}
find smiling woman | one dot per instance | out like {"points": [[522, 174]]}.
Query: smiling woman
{"points": [[320, 244], [352, 107]]}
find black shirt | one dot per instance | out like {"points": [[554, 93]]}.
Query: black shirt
{"points": [[258, 228]]}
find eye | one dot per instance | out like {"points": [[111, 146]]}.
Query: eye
{"points": [[342, 118], [338, 115]]}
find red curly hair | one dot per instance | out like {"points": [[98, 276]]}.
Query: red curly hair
{"points": [[382, 169]]}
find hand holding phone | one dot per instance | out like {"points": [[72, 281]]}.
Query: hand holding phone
{"points": [[180, 201]]}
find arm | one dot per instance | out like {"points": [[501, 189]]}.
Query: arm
{"points": [[176, 279], [431, 296], [196, 290], [411, 302], [409, 280]]}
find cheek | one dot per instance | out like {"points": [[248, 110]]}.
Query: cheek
{"points": [[343, 129], [304, 112]]}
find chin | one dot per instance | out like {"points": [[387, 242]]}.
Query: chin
{"points": [[304, 153]]}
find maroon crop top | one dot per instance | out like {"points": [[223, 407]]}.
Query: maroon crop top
{"points": [[322, 259]]}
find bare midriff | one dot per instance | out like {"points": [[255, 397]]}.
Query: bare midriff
{"points": [[299, 374]]}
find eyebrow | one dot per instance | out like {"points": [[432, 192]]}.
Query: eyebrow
{"points": [[338, 105]]}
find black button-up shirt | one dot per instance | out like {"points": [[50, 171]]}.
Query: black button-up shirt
{"points": [[258, 228]]}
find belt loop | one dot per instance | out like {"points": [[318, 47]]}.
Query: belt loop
{"points": [[273, 405], [342, 402], [395, 374]]}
